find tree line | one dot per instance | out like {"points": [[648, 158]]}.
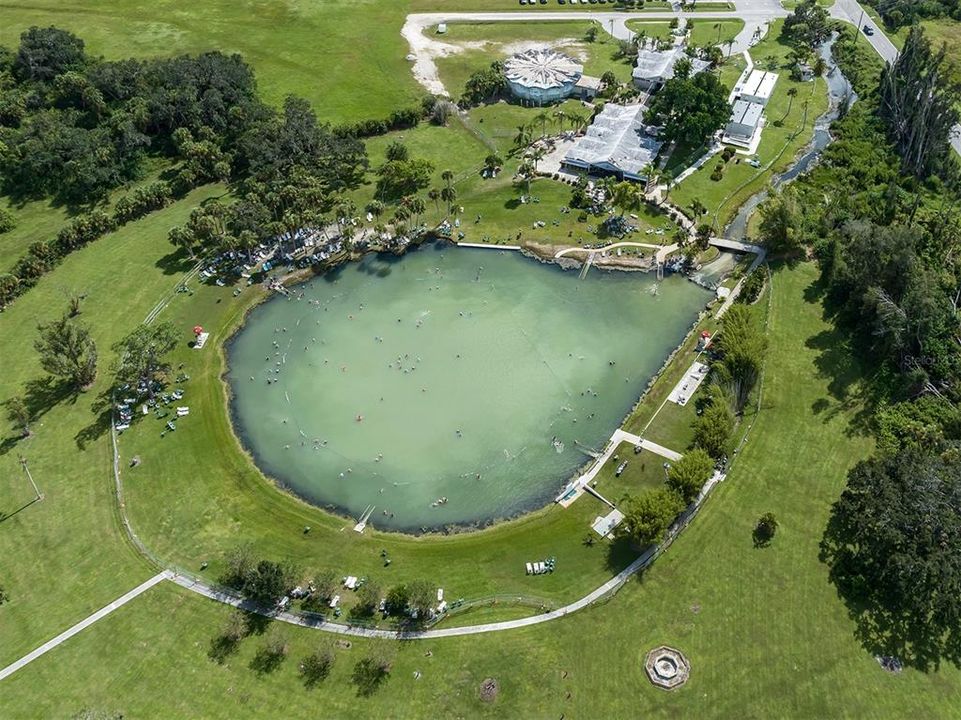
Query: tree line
{"points": [[880, 214], [739, 350]]}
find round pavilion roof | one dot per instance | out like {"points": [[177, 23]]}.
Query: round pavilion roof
{"points": [[542, 68]]}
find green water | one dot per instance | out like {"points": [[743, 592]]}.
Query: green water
{"points": [[463, 367]]}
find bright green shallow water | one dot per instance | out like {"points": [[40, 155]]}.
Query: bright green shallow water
{"points": [[509, 352]]}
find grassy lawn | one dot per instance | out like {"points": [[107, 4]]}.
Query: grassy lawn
{"points": [[660, 29], [685, 154], [41, 219], [644, 471], [731, 608], [764, 629], [503, 218], [789, 129], [940, 32], [713, 32], [65, 557], [36, 221]]}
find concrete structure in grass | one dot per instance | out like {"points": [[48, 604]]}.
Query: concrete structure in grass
{"points": [[667, 668]]}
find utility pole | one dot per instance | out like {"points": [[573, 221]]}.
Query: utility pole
{"points": [[23, 464], [857, 30]]}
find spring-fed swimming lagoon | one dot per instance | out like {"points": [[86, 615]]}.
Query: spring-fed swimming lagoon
{"points": [[448, 386]]}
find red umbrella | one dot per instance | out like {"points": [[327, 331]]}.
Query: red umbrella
{"points": [[198, 329]]}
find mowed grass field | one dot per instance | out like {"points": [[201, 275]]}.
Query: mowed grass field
{"points": [[763, 628], [65, 557]]}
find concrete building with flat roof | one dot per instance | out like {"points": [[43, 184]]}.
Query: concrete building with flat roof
{"points": [[745, 119], [617, 143], [758, 87]]}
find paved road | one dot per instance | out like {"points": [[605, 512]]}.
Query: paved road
{"points": [[83, 624]]}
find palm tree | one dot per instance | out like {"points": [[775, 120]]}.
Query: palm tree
{"points": [[417, 207], [577, 120], [667, 177], [523, 137], [449, 195], [401, 212], [561, 118], [448, 177], [608, 185], [543, 118], [525, 173], [791, 93], [536, 155], [697, 208], [434, 194]]}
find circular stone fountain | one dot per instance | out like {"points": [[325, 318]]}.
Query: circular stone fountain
{"points": [[667, 668]]}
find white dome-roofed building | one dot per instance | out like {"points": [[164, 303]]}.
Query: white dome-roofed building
{"points": [[542, 75]]}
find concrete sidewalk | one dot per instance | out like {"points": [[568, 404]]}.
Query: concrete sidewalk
{"points": [[83, 624]]}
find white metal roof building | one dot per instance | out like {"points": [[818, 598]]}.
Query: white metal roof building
{"points": [[758, 87], [655, 67], [542, 75], [744, 119], [616, 143]]}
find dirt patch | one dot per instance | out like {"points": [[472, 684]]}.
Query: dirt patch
{"points": [[488, 690]]}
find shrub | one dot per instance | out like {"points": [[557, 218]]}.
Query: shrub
{"points": [[688, 475], [142, 201], [753, 284], [7, 221], [765, 529]]}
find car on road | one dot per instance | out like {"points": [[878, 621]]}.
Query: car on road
{"points": [[868, 30]]}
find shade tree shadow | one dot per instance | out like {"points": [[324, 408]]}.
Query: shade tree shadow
{"points": [[102, 409], [620, 553], [176, 262], [881, 628]]}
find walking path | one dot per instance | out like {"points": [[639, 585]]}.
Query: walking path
{"points": [[609, 586], [591, 251], [83, 624], [488, 246], [759, 255]]}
